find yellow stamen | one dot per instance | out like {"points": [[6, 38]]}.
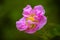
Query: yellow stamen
{"points": [[30, 18]]}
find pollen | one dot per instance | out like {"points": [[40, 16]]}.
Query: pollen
{"points": [[30, 18]]}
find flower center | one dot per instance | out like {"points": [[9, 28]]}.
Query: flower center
{"points": [[31, 17]]}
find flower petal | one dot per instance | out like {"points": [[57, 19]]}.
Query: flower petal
{"points": [[39, 10], [42, 22], [21, 24], [27, 10]]}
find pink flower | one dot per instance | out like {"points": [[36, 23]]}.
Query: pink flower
{"points": [[32, 20]]}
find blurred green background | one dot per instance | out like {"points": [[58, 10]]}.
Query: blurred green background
{"points": [[11, 11]]}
